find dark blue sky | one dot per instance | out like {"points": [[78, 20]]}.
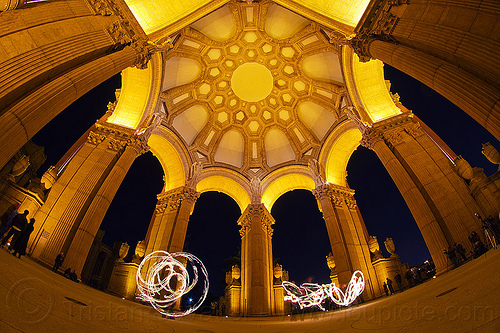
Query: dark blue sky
{"points": [[300, 240]]}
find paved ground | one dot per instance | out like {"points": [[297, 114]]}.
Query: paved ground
{"points": [[33, 299]]}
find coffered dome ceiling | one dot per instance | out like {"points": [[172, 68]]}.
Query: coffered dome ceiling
{"points": [[252, 87]]}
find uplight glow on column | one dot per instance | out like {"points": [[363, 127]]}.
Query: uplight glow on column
{"points": [[313, 294], [167, 280]]}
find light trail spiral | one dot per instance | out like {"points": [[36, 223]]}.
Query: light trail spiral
{"points": [[313, 294], [167, 280]]}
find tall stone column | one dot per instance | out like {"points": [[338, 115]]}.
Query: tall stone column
{"points": [[170, 222], [83, 234], [437, 43], [257, 297], [94, 41], [437, 197], [69, 200], [347, 237]]}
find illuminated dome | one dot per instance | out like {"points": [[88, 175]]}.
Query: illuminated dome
{"points": [[253, 99]]}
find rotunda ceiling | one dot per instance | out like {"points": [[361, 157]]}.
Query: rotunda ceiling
{"points": [[247, 90]]}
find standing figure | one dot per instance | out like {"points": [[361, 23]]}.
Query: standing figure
{"points": [[18, 225], [386, 290], [6, 218], [389, 285], [398, 279], [452, 255], [21, 243], [461, 251], [58, 262]]}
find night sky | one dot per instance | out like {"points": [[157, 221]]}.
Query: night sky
{"points": [[300, 241]]}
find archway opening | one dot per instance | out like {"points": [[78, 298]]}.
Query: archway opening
{"points": [[383, 208], [213, 236], [300, 238], [129, 214]]}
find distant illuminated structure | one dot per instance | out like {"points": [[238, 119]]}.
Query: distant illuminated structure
{"points": [[313, 294], [166, 280], [252, 99]]}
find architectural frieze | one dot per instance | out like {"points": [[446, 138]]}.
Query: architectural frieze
{"points": [[113, 130]]}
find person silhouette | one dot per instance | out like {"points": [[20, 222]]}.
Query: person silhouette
{"points": [[389, 285], [21, 242], [58, 262], [19, 223]]}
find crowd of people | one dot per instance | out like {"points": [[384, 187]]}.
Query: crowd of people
{"points": [[457, 255]]}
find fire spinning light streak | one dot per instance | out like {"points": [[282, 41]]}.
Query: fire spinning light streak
{"points": [[312, 294], [167, 280]]}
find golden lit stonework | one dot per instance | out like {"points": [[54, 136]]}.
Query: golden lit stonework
{"points": [[252, 99], [251, 82]]}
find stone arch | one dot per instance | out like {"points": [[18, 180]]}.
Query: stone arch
{"points": [[284, 180], [170, 159], [139, 94], [367, 88], [337, 151], [230, 183]]}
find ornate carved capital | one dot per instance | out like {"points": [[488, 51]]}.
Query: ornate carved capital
{"points": [[379, 24], [252, 212], [361, 45], [95, 138], [391, 130], [172, 200], [116, 145], [337, 195], [139, 143], [370, 137], [144, 52], [245, 222]]}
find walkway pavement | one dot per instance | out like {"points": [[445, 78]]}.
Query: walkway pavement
{"points": [[34, 299]]}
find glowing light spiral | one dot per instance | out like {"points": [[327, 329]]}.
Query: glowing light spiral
{"points": [[167, 280], [313, 294]]}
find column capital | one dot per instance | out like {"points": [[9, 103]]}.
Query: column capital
{"points": [[118, 137], [171, 200], [391, 130], [252, 211], [139, 143], [338, 195], [378, 24], [361, 45]]}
